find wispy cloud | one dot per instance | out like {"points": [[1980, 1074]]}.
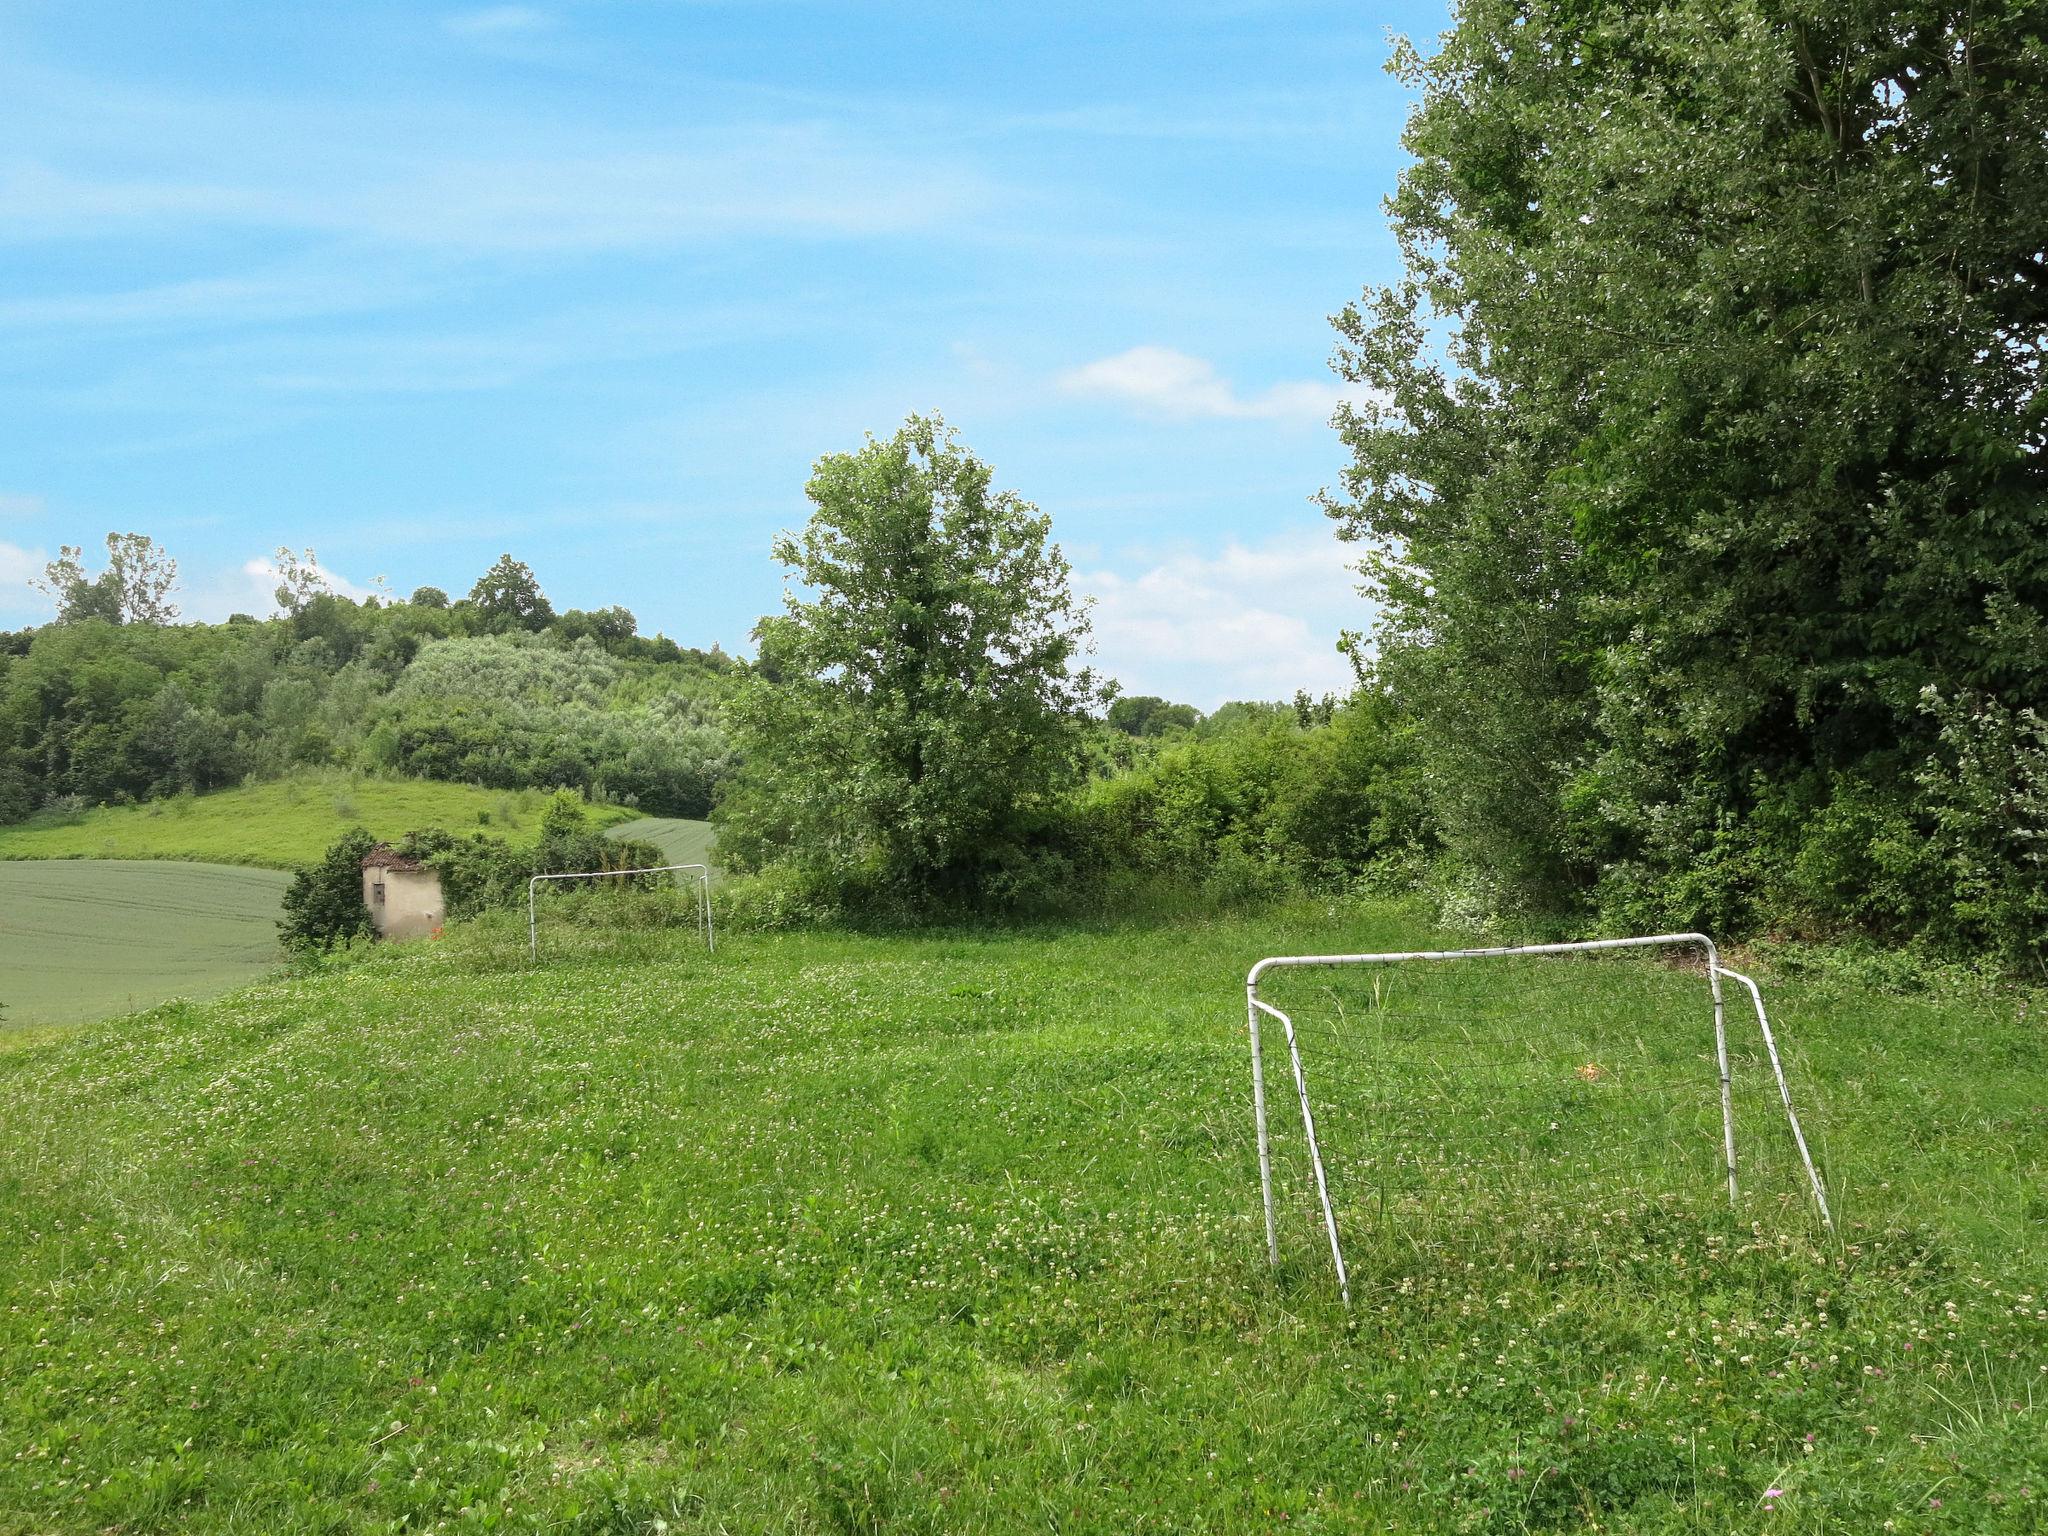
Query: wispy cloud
{"points": [[19, 602], [1244, 622], [21, 506], [255, 298], [498, 21], [1160, 381], [19, 566], [398, 177]]}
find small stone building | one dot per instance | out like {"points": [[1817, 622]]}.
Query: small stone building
{"points": [[403, 895]]}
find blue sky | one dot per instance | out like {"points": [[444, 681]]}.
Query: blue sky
{"points": [[596, 282]]}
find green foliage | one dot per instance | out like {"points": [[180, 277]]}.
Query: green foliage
{"points": [[961, 1233], [323, 906], [1704, 435], [1147, 714], [482, 873], [515, 710], [112, 712], [610, 627], [508, 597], [135, 587], [1269, 805], [1987, 787], [914, 721]]}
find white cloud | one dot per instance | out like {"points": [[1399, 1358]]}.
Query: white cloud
{"points": [[1245, 622], [251, 588], [473, 185], [19, 602], [1163, 382], [498, 21]]}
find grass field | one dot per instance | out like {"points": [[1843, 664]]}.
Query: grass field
{"points": [[281, 824], [81, 939], [961, 1233], [684, 842]]}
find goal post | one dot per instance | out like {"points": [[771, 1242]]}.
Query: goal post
{"points": [[702, 884], [1258, 1009]]}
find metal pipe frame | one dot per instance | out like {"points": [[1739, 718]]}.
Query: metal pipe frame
{"points": [[1255, 1005], [704, 924]]}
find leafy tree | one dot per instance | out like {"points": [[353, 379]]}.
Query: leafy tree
{"points": [[1706, 431], [299, 581], [609, 627], [135, 587], [323, 906], [508, 597], [428, 597], [1145, 714], [918, 712]]}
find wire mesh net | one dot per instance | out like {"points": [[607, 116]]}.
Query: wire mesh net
{"points": [[1531, 1099]]}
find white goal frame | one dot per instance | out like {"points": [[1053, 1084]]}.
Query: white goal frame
{"points": [[1255, 1006], [703, 883]]}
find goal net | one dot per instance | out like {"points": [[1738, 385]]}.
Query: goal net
{"points": [[1505, 1104], [693, 878]]}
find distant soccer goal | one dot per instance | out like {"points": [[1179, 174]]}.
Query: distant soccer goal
{"points": [[1537, 1089], [702, 884]]}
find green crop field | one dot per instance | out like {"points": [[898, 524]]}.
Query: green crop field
{"points": [[838, 1233], [281, 824], [84, 938], [684, 842]]}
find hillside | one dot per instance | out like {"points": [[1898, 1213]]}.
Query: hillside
{"points": [[683, 842], [101, 713], [837, 1233], [280, 824]]}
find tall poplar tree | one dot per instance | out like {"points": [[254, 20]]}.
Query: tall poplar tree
{"points": [[1702, 471]]}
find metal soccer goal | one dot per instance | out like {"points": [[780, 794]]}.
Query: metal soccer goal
{"points": [[703, 884], [1515, 1096]]}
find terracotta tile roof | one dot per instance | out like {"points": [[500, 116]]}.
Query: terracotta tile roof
{"points": [[384, 856]]}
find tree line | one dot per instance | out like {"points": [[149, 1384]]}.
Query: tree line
{"points": [[116, 702]]}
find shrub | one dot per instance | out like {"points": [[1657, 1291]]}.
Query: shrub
{"points": [[323, 906]]}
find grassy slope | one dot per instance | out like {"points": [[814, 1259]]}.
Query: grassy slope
{"points": [[855, 1234], [684, 842], [281, 824], [80, 939]]}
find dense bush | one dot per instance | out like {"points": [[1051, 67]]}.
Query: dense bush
{"points": [[323, 905], [1267, 805]]}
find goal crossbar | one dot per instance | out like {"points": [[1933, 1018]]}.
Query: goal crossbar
{"points": [[702, 882], [1255, 1006]]}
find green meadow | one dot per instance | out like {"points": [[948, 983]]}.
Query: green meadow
{"points": [[281, 823], [845, 1233], [682, 842], [84, 938]]}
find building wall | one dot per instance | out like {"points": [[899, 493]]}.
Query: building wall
{"points": [[411, 907]]}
